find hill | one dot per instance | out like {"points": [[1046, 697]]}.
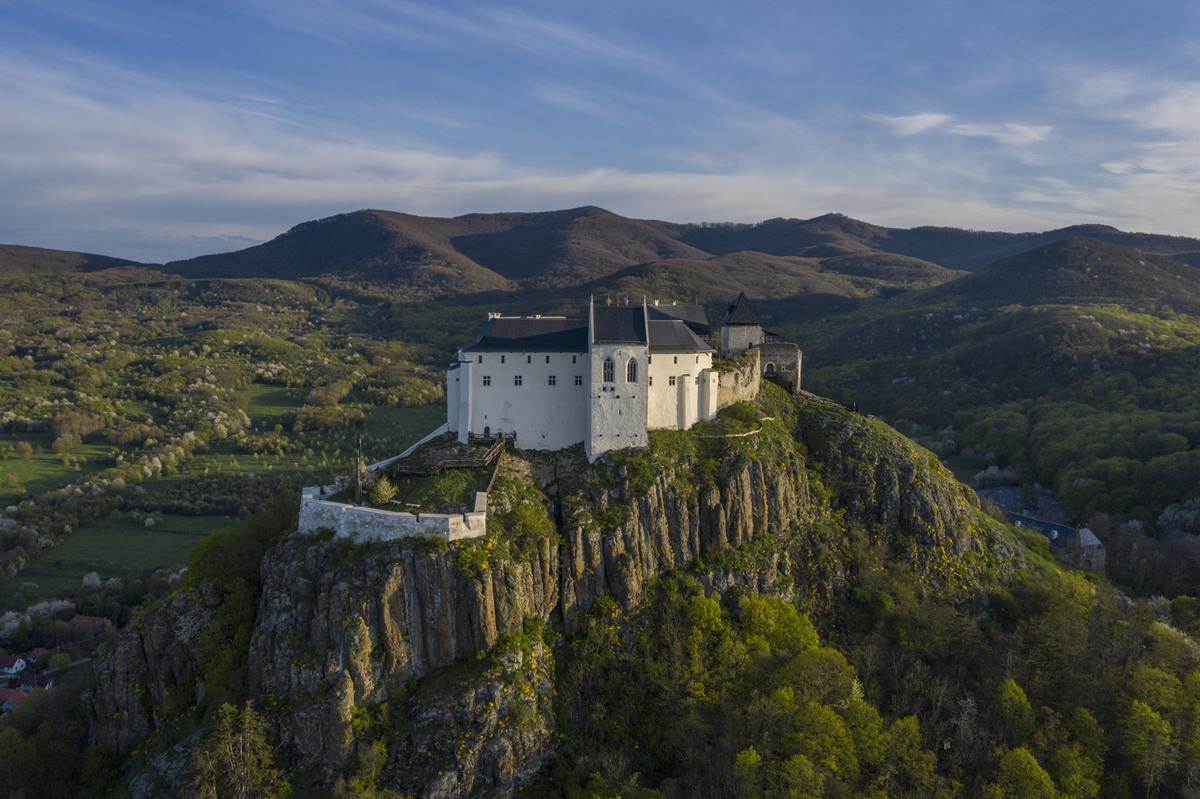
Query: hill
{"points": [[955, 248], [1079, 270], [16, 259], [476, 252], [376, 246], [1067, 365]]}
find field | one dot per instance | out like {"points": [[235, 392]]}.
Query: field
{"points": [[120, 546]]}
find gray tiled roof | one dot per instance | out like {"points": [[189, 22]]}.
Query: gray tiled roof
{"points": [[742, 312], [695, 316], [530, 334], [619, 324], [672, 335]]}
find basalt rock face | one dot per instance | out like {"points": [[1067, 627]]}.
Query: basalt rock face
{"points": [[671, 524], [341, 627], [153, 667]]}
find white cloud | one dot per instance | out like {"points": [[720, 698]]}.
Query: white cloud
{"points": [[1011, 133], [911, 124]]}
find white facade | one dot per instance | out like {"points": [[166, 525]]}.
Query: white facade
{"points": [[558, 392]]}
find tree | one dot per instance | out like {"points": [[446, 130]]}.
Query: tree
{"points": [[383, 491], [235, 759], [1146, 743], [799, 779], [1020, 777], [1015, 712], [747, 773], [25, 449]]}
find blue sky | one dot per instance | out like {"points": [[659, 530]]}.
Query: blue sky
{"points": [[164, 130]]}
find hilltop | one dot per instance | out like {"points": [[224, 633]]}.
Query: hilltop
{"points": [[1080, 270], [16, 259]]}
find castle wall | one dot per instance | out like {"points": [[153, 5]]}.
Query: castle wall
{"points": [[541, 416], [736, 339], [617, 411], [372, 524], [453, 395], [740, 379], [787, 361], [668, 405]]}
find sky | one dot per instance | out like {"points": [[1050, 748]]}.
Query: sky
{"points": [[164, 130]]}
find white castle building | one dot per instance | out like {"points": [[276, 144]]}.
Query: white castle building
{"points": [[604, 381]]}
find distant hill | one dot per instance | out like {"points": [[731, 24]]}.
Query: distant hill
{"points": [[836, 234], [467, 253], [16, 259], [377, 246], [1081, 271]]}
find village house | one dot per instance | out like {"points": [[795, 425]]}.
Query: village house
{"points": [[11, 699], [11, 664], [605, 381]]}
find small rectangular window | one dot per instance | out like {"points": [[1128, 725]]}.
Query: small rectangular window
{"points": [[480, 357], [671, 380], [528, 359], [579, 380], [516, 380], [573, 357], [676, 357], [547, 359], [501, 359], [552, 380], [649, 381], [487, 380]]}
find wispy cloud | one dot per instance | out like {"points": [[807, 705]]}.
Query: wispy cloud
{"points": [[911, 124], [1010, 133]]}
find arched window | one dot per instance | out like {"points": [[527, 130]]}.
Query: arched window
{"points": [[631, 371], [770, 369], [609, 371]]}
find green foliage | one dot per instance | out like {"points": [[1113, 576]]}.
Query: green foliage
{"points": [[728, 698], [235, 761], [1016, 715], [229, 560], [383, 491], [1020, 777]]}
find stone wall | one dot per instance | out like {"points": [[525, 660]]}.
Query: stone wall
{"points": [[372, 524], [782, 362], [740, 379]]}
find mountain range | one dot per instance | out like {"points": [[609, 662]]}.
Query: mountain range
{"points": [[590, 247]]}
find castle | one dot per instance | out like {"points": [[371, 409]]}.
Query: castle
{"points": [[607, 380]]}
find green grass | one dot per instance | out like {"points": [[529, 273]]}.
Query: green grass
{"points": [[117, 547], [44, 470], [264, 402]]}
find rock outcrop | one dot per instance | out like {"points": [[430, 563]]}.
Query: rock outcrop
{"points": [[343, 628], [151, 671]]}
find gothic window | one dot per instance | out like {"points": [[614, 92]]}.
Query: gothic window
{"points": [[610, 370], [579, 380], [487, 380], [516, 380], [552, 380], [631, 371]]}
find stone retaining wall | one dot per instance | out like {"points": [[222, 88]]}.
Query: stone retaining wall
{"points": [[372, 524]]}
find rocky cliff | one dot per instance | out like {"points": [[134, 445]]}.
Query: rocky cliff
{"points": [[761, 498]]}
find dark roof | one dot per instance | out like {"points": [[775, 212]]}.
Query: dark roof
{"points": [[742, 312], [530, 334], [672, 335], [693, 315], [619, 324]]}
